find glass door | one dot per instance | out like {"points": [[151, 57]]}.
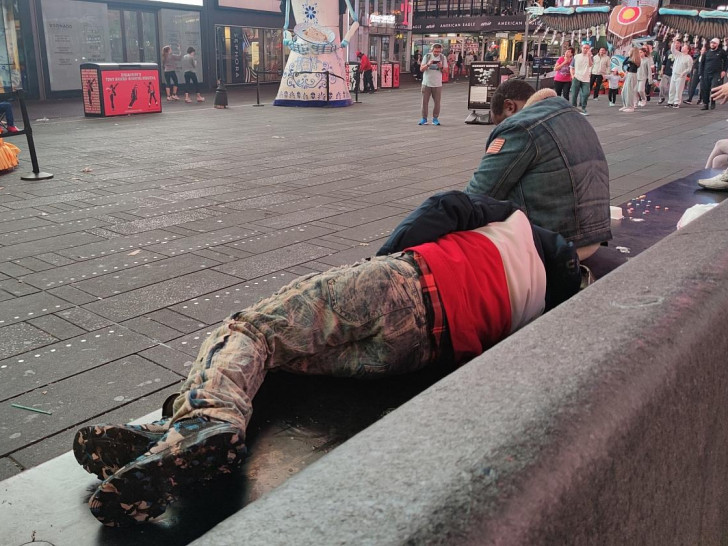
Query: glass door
{"points": [[133, 36]]}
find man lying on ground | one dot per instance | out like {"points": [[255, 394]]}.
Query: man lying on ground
{"points": [[719, 155], [546, 157], [458, 275]]}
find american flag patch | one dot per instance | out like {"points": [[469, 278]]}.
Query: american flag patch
{"points": [[495, 146]]}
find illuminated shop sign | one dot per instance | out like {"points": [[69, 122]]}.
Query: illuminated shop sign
{"points": [[381, 19]]}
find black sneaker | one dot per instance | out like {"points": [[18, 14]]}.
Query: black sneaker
{"points": [[191, 451], [704, 107], [712, 105], [661, 101], [687, 102], [104, 449]]}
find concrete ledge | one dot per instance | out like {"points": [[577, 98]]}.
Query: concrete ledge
{"points": [[603, 422]]}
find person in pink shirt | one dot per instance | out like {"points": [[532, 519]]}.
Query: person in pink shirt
{"points": [[562, 76]]}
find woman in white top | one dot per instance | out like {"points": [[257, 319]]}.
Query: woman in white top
{"points": [[643, 74]]}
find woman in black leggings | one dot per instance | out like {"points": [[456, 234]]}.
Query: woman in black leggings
{"points": [[169, 65]]}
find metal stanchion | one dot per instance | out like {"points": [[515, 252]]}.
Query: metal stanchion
{"points": [[257, 83], [28, 132], [328, 75]]}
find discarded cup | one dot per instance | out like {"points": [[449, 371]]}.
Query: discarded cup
{"points": [[616, 213]]}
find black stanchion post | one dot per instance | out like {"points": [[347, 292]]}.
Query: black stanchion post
{"points": [[327, 87], [356, 86], [28, 130], [257, 89]]}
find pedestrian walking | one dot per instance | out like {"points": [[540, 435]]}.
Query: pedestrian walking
{"points": [[432, 66], [600, 70], [580, 75], [695, 75], [613, 80]]}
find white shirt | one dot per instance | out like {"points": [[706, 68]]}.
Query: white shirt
{"points": [[581, 69], [432, 76], [601, 65]]}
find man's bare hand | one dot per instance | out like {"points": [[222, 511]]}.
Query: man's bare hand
{"points": [[720, 94]]}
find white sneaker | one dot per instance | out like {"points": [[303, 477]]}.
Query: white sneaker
{"points": [[611, 104], [719, 182], [595, 99], [628, 110], [640, 104]]}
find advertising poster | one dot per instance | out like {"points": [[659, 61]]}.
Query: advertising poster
{"points": [[90, 87], [134, 91], [387, 75], [484, 79], [395, 76]]}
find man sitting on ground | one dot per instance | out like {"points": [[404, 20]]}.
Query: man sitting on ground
{"points": [[393, 314], [545, 157]]}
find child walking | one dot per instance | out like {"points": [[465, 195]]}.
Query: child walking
{"points": [[614, 78]]}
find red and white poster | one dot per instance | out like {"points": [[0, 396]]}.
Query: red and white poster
{"points": [[387, 75], [90, 87], [133, 91]]}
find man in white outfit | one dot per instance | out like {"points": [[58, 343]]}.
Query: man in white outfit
{"points": [[680, 69]]}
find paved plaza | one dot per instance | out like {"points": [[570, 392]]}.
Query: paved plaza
{"points": [[156, 227]]}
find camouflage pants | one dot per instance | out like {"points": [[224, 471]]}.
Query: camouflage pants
{"points": [[366, 319]]}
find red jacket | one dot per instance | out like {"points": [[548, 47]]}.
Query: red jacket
{"points": [[364, 63]]}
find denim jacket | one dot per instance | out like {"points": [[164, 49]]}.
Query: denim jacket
{"points": [[548, 160]]}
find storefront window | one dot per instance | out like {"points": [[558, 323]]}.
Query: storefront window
{"points": [[115, 38], [75, 33], [181, 29], [241, 51], [12, 56], [274, 62]]}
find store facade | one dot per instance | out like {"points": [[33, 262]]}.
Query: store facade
{"points": [[470, 34]]}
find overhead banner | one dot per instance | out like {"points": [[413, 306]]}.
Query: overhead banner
{"points": [[471, 24], [257, 5]]}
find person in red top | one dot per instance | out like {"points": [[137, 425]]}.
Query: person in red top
{"points": [[365, 67], [458, 275]]}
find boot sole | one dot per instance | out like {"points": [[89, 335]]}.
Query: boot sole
{"points": [[141, 490], [104, 449]]}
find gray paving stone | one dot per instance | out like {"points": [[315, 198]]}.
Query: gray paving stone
{"points": [[55, 259], [84, 319], [7, 215], [369, 232], [22, 337], [120, 244], [156, 222], [77, 272], [9, 467], [264, 242], [176, 360], [45, 201], [21, 225], [222, 254], [17, 288], [61, 442], [132, 278], [144, 300], [14, 270], [27, 371], [34, 264], [72, 295], [34, 234], [204, 240], [22, 250], [227, 219], [275, 260], [213, 308], [56, 326], [114, 384], [152, 329], [181, 323], [174, 203], [26, 307], [5, 295]]}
